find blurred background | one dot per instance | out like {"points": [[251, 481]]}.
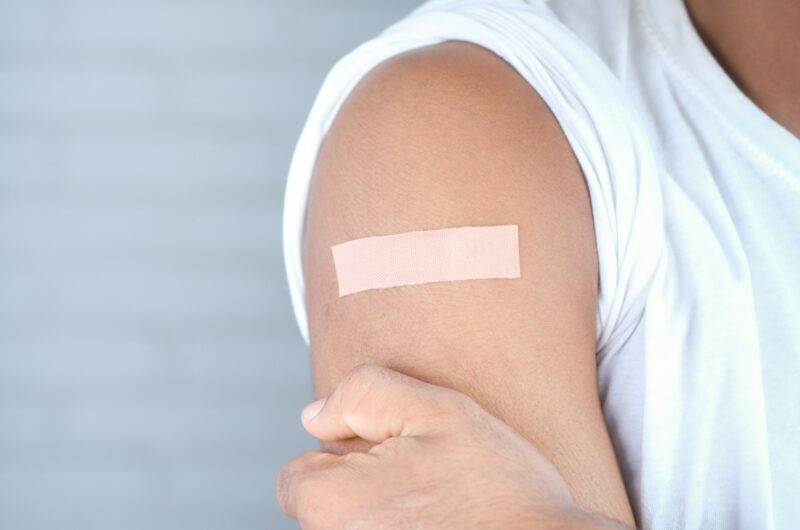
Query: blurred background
{"points": [[151, 372]]}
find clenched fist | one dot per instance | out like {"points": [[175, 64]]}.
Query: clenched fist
{"points": [[441, 461]]}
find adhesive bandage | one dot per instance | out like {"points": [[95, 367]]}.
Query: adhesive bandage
{"points": [[448, 254]]}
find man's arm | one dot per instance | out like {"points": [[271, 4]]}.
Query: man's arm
{"points": [[446, 136]]}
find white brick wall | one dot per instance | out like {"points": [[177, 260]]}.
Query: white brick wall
{"points": [[151, 372]]}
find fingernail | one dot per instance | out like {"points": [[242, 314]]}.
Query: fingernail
{"points": [[312, 409]]}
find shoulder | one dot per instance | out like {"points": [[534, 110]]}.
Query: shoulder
{"points": [[449, 136], [448, 130]]}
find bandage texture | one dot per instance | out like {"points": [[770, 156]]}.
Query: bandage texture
{"points": [[448, 254]]}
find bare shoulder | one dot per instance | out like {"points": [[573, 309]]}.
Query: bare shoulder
{"points": [[451, 135], [446, 117]]}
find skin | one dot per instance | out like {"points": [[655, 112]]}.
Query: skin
{"points": [[423, 141], [450, 135], [444, 458], [757, 44]]}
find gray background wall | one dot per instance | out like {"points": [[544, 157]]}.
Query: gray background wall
{"points": [[151, 373]]}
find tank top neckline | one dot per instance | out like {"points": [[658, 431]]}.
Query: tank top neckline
{"points": [[674, 35]]}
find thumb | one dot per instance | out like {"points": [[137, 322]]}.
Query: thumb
{"points": [[377, 403]]}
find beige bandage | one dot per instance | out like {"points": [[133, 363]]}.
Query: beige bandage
{"points": [[449, 254]]}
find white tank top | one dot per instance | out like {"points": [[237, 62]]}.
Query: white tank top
{"points": [[695, 196]]}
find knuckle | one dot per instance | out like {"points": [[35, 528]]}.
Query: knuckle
{"points": [[358, 382], [295, 478], [364, 372], [456, 406], [312, 498], [308, 490], [282, 487], [319, 501]]}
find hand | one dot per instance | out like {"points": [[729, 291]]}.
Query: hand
{"points": [[441, 461]]}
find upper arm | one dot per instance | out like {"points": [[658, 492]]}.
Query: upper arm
{"points": [[446, 136]]}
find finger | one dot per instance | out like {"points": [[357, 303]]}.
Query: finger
{"points": [[292, 483], [377, 403], [350, 445]]}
